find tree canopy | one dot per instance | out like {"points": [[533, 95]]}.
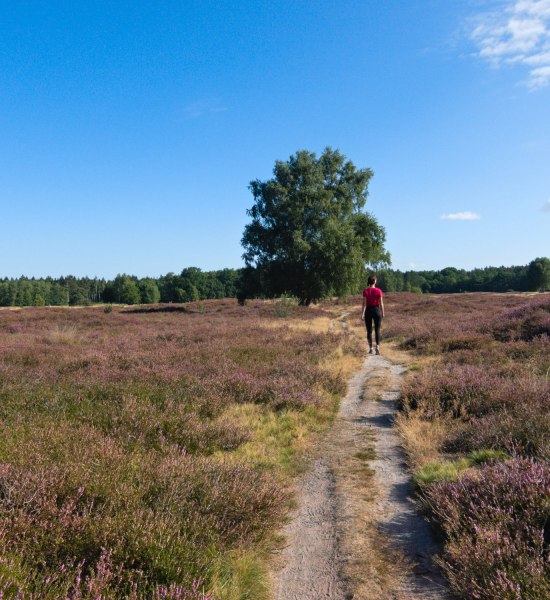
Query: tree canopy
{"points": [[309, 235], [538, 274]]}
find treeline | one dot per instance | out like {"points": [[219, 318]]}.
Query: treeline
{"points": [[50, 291], [532, 277], [192, 284]]}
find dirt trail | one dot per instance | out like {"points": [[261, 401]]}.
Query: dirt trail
{"points": [[315, 558]]}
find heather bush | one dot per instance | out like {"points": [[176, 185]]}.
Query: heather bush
{"points": [[533, 356], [430, 324], [465, 341], [459, 390], [155, 513], [524, 323], [523, 429], [495, 521], [127, 467], [466, 391], [103, 581], [486, 388]]}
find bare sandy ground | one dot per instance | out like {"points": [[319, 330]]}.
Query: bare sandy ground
{"points": [[319, 546]]}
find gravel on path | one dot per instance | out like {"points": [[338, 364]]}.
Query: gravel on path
{"points": [[313, 563]]}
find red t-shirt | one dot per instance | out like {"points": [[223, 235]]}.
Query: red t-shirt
{"points": [[373, 296]]}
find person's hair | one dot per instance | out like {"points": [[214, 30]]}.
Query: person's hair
{"points": [[372, 279]]}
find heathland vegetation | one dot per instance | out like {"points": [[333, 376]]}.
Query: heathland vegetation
{"points": [[476, 423], [147, 453]]}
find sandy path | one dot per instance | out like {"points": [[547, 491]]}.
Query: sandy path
{"points": [[313, 561], [312, 566]]}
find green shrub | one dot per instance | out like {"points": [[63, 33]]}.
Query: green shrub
{"points": [[478, 457], [450, 470], [285, 305]]}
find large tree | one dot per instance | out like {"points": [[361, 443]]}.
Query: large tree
{"points": [[538, 274], [309, 235]]}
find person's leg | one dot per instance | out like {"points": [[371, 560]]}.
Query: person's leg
{"points": [[377, 322], [368, 323]]}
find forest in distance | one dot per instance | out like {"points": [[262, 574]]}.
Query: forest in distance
{"points": [[193, 284]]}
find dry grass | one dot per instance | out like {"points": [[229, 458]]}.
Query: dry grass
{"points": [[319, 324], [341, 363], [279, 440], [372, 567], [422, 439], [63, 334], [376, 568], [379, 382], [396, 356]]}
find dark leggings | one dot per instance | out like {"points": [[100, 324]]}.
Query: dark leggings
{"points": [[373, 313]]}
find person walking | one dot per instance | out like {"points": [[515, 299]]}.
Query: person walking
{"points": [[373, 311]]}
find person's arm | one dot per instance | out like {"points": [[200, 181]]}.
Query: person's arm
{"points": [[382, 305], [364, 308]]}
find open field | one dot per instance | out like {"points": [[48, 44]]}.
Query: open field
{"points": [[476, 424], [149, 453]]}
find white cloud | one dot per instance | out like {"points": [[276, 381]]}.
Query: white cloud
{"points": [[518, 34], [204, 107], [546, 206], [461, 216]]}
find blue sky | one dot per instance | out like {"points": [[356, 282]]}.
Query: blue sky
{"points": [[129, 131]]}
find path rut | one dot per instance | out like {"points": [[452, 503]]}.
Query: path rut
{"points": [[313, 563]]}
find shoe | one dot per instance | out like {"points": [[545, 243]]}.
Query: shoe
{"points": [[377, 350], [371, 351]]}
